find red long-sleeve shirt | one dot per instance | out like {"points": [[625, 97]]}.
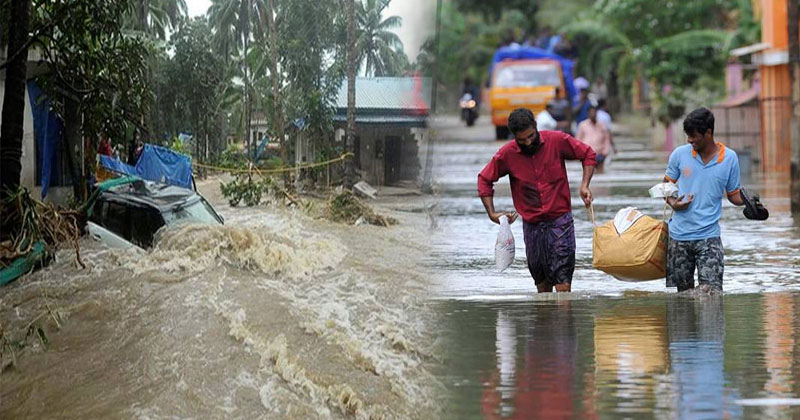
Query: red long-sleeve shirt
{"points": [[539, 184]]}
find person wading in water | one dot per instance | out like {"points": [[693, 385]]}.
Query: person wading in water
{"points": [[534, 162]]}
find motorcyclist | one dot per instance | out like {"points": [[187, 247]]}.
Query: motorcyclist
{"points": [[472, 90]]}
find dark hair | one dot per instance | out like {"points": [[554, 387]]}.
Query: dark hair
{"points": [[520, 120], [698, 121], [601, 103]]}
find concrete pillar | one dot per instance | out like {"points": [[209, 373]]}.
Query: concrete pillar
{"points": [[794, 70], [775, 88]]}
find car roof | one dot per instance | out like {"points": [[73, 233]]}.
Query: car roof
{"points": [[145, 193]]}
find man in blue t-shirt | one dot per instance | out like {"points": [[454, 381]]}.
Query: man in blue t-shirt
{"points": [[706, 172]]}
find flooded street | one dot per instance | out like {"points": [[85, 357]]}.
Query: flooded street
{"points": [[611, 348], [273, 315]]}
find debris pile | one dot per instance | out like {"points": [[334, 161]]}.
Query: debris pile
{"points": [[345, 207]]}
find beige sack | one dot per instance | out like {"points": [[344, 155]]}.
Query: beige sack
{"points": [[640, 253]]}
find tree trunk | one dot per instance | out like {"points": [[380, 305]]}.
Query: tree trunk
{"points": [[72, 139], [144, 12], [13, 120], [248, 112], [794, 72], [277, 104], [350, 138], [613, 101], [427, 177]]}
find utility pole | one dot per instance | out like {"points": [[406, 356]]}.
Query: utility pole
{"points": [[427, 176], [794, 74]]}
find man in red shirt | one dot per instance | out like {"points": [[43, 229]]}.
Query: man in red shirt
{"points": [[534, 161]]}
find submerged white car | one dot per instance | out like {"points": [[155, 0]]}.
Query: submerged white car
{"points": [[127, 212]]}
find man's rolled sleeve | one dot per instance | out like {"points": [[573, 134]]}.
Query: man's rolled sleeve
{"points": [[673, 168], [733, 185], [575, 149], [493, 171]]}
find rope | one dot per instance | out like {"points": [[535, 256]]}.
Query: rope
{"points": [[665, 210], [278, 170], [591, 213]]}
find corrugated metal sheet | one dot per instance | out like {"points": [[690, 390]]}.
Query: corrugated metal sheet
{"points": [[389, 93], [397, 120]]}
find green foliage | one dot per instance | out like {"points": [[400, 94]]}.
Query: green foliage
{"points": [[380, 50], [468, 42], [189, 88], [682, 47], [680, 44], [154, 17], [176, 145], [232, 157], [492, 12], [556, 14], [244, 189], [93, 63]]}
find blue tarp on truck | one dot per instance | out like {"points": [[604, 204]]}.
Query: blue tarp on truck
{"points": [[156, 164]]}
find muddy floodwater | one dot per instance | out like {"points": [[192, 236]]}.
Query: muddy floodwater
{"points": [[611, 349], [275, 315]]}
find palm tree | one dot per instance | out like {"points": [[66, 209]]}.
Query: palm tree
{"points": [[380, 49], [155, 17], [234, 21]]}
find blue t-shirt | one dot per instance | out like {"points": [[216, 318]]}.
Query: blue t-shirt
{"points": [[710, 183], [583, 112]]}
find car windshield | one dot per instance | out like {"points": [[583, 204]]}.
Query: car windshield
{"points": [[198, 212], [541, 74]]}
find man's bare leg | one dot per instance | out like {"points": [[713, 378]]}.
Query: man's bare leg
{"points": [[566, 287], [544, 288]]}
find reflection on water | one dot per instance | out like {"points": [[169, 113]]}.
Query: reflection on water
{"points": [[613, 349], [659, 355]]}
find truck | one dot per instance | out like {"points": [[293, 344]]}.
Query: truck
{"points": [[525, 77]]}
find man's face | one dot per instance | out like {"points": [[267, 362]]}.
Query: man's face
{"points": [[528, 140], [700, 141], [593, 114]]}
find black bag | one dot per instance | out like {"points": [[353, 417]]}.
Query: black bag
{"points": [[753, 209]]}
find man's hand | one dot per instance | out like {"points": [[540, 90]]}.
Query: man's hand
{"points": [[586, 195], [495, 217], [679, 204]]}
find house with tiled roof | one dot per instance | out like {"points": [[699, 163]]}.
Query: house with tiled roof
{"points": [[391, 122]]}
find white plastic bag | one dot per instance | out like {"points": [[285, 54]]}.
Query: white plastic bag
{"points": [[663, 190], [625, 218], [504, 247]]}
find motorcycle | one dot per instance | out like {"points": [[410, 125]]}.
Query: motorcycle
{"points": [[469, 109]]}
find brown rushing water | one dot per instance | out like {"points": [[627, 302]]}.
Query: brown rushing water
{"points": [[612, 349], [274, 315]]}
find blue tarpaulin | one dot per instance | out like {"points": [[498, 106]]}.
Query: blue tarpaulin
{"points": [[520, 53], [47, 129], [260, 149], [156, 164]]}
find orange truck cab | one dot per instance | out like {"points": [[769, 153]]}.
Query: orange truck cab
{"points": [[523, 83], [525, 77]]}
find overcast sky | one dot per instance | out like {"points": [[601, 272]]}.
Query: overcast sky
{"points": [[418, 17]]}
